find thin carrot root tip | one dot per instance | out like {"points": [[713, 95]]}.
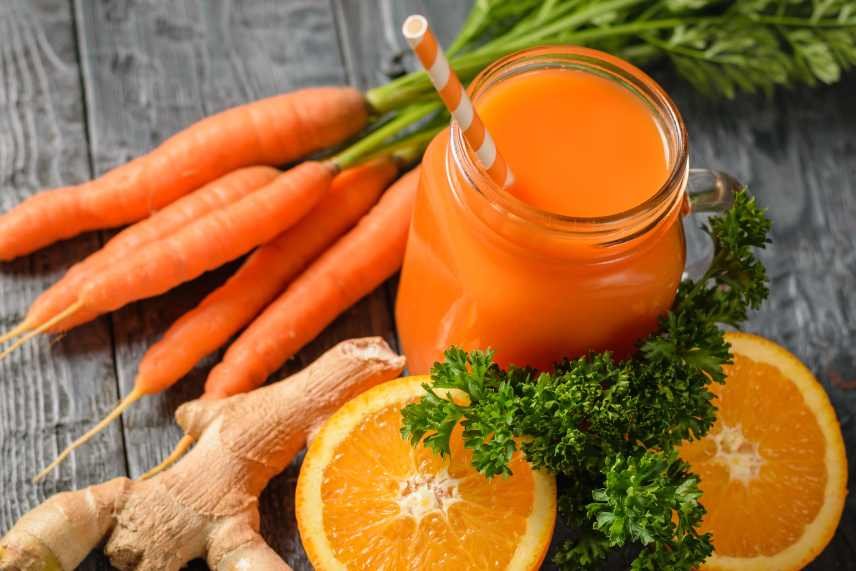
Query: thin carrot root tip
{"points": [[19, 329], [17, 345], [132, 397], [180, 450], [59, 318], [57, 338]]}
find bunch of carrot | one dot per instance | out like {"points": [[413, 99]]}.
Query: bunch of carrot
{"points": [[320, 235]]}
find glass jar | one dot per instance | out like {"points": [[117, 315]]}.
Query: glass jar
{"points": [[483, 269]]}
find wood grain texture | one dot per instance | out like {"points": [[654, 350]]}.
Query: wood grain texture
{"points": [[50, 391], [370, 32]]}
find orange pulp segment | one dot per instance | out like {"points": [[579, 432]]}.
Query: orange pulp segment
{"points": [[367, 499], [773, 467]]}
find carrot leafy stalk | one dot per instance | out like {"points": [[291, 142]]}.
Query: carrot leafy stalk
{"points": [[721, 47], [610, 428]]}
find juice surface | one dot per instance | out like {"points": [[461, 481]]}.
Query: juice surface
{"points": [[578, 144]]}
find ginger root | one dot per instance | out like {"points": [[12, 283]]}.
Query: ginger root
{"points": [[205, 505]]}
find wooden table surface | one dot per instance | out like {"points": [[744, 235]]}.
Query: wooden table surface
{"points": [[86, 85]]}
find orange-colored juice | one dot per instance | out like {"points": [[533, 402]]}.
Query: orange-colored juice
{"points": [[580, 145], [584, 252]]}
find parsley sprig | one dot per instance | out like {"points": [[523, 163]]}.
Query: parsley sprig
{"points": [[609, 428]]}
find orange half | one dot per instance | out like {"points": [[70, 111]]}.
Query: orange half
{"points": [[773, 468], [367, 499]]}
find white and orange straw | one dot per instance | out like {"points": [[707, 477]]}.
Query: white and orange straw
{"points": [[418, 34]]}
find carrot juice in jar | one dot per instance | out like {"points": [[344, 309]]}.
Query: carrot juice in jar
{"points": [[584, 251]]}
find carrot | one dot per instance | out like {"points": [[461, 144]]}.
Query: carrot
{"points": [[271, 131], [209, 242], [357, 264], [225, 190], [372, 251], [262, 276]]}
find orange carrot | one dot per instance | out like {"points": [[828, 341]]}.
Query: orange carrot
{"points": [[209, 242], [262, 276], [271, 131], [357, 264], [225, 190], [382, 233]]}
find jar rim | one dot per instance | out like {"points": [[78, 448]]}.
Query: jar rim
{"points": [[639, 218]]}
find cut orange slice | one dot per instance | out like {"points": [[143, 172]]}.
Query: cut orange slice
{"points": [[366, 499], [773, 468]]}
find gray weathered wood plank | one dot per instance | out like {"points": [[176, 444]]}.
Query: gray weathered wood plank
{"points": [[50, 391], [370, 31], [151, 69]]}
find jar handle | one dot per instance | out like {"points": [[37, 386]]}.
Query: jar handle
{"points": [[708, 192]]}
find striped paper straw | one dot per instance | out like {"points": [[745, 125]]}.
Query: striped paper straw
{"points": [[424, 44]]}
